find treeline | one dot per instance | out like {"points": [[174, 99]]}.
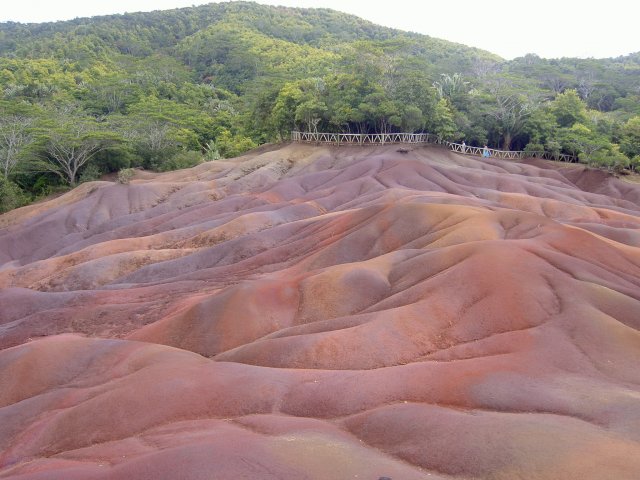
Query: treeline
{"points": [[167, 90]]}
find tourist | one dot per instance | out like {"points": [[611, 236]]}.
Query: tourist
{"points": [[485, 152]]}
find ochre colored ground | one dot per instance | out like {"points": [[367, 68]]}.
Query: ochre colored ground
{"points": [[313, 312]]}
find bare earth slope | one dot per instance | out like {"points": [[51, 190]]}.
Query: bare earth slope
{"points": [[325, 313]]}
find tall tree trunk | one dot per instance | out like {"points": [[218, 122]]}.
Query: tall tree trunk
{"points": [[506, 145]]}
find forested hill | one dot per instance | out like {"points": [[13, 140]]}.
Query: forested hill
{"points": [[237, 41], [144, 33], [165, 89]]}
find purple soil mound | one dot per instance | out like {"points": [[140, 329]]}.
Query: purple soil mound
{"points": [[325, 313]]}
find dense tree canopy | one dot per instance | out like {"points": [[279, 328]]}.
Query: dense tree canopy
{"points": [[166, 89]]}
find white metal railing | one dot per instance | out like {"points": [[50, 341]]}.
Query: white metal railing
{"points": [[509, 154], [418, 138], [362, 138]]}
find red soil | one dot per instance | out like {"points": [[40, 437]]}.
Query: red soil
{"points": [[325, 313]]}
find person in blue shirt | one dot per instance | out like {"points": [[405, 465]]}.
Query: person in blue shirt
{"points": [[485, 152]]}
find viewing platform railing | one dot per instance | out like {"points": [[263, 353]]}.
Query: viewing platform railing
{"points": [[509, 154], [362, 138], [419, 138]]}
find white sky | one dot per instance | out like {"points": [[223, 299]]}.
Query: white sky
{"points": [[549, 28]]}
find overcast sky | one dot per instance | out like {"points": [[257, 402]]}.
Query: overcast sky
{"points": [[549, 28]]}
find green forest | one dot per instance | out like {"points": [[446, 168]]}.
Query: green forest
{"points": [[170, 89]]}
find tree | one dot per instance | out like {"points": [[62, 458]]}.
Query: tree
{"points": [[540, 126], [442, 123], [10, 195], [284, 110], [450, 86], [157, 129], [417, 100], [569, 109], [300, 104], [586, 85], [17, 119], [557, 83], [630, 143], [188, 125], [111, 94], [584, 142], [603, 97], [510, 112], [15, 137], [482, 67], [229, 145], [411, 119], [379, 112], [344, 94], [311, 109], [69, 144], [311, 112]]}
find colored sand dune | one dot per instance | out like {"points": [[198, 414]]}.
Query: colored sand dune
{"points": [[325, 313]]}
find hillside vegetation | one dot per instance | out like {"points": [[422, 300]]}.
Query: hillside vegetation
{"points": [[163, 90]]}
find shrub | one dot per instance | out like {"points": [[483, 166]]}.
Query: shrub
{"points": [[533, 148], [91, 173], [125, 175], [11, 196], [229, 145], [211, 152], [182, 160], [610, 158], [553, 147]]}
